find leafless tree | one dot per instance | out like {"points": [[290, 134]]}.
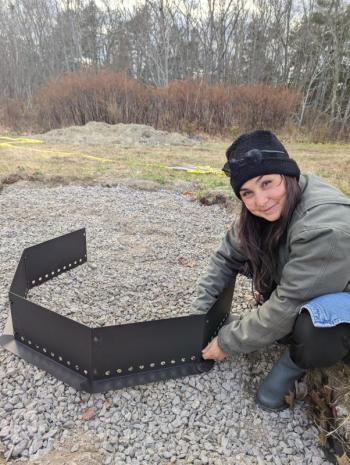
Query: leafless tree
{"points": [[304, 44]]}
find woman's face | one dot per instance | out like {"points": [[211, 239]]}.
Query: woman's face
{"points": [[265, 196]]}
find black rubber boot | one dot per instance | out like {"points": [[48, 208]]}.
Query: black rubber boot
{"points": [[278, 383]]}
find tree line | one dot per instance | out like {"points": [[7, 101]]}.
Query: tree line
{"points": [[300, 44]]}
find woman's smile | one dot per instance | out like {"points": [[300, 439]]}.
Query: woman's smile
{"points": [[268, 209]]}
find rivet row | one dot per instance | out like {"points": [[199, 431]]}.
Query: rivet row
{"points": [[53, 355], [162, 363], [40, 279]]}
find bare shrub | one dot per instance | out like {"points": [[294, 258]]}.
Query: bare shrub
{"points": [[195, 105], [80, 97], [16, 115], [262, 106]]}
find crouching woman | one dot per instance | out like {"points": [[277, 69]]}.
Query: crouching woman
{"points": [[293, 238]]}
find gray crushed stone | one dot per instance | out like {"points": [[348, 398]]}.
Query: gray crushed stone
{"points": [[146, 251]]}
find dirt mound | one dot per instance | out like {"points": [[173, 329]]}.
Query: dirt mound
{"points": [[124, 134]]}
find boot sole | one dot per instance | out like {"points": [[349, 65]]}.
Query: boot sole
{"points": [[269, 409]]}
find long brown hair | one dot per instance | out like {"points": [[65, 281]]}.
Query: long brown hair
{"points": [[260, 239]]}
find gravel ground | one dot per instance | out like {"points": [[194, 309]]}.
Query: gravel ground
{"points": [[146, 251]]}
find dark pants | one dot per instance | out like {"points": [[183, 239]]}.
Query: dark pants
{"points": [[312, 347]]}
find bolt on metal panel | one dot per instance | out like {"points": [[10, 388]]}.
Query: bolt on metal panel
{"points": [[149, 345], [56, 336], [49, 259]]}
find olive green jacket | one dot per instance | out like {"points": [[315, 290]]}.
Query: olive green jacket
{"points": [[314, 260]]}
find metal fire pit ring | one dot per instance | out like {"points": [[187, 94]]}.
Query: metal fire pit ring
{"points": [[95, 359]]}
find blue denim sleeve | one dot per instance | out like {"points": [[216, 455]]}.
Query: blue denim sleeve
{"points": [[329, 310]]}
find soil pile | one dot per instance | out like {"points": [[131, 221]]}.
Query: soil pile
{"points": [[94, 133]]}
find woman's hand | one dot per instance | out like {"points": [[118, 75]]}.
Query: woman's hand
{"points": [[213, 351]]}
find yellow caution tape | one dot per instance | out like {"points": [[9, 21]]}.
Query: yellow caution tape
{"points": [[200, 169], [94, 158], [28, 141], [54, 152], [68, 154], [13, 141]]}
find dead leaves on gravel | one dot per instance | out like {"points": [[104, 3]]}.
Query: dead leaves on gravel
{"points": [[300, 393], [343, 460], [89, 413], [324, 410], [322, 402], [187, 262]]}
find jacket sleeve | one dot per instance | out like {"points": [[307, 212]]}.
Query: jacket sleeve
{"points": [[224, 264], [318, 264]]}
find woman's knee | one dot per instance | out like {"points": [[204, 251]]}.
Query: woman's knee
{"points": [[304, 330], [301, 349], [313, 347]]}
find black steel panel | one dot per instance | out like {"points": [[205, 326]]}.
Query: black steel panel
{"points": [[149, 345], [46, 260], [218, 313], [19, 283], [53, 335], [79, 382]]}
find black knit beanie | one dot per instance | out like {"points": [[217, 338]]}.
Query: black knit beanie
{"points": [[255, 154]]}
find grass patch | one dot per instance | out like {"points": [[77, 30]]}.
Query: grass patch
{"points": [[96, 163]]}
